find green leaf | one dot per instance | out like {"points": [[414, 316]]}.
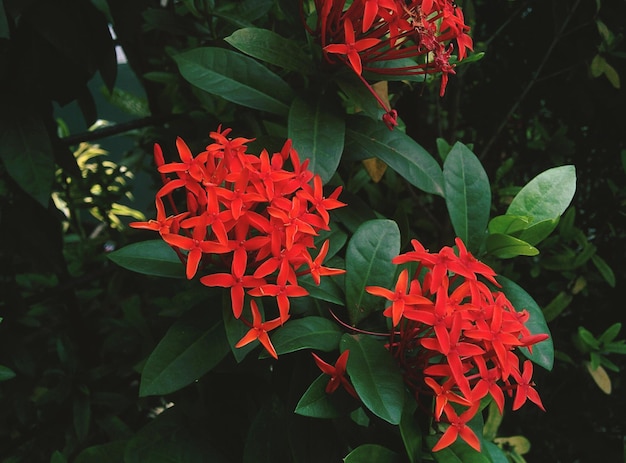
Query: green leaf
{"points": [[236, 328], [235, 78], [604, 269], [543, 352], [375, 376], [546, 196], [315, 402], [270, 47], [368, 453], [494, 452], [81, 415], [588, 338], [557, 305], [191, 347], [506, 246], [4, 24], [6, 373], [368, 263], [154, 257], [410, 431], [538, 231], [263, 444], [111, 451], [27, 155], [372, 139], [57, 457], [610, 333], [467, 194], [328, 290], [360, 98], [306, 333], [317, 133], [508, 224]]}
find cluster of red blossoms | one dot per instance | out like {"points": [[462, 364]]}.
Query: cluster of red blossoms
{"points": [[254, 216], [454, 337], [379, 36]]}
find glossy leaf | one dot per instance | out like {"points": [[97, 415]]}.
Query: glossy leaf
{"points": [[538, 231], [189, 349], [547, 195], [368, 263], [235, 78], [306, 333], [366, 138], [508, 224], [375, 376], [27, 155], [154, 257], [506, 246], [494, 452], [317, 133], [467, 194], [543, 352], [270, 47], [368, 453], [315, 402]]}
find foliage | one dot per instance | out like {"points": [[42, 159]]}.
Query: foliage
{"points": [[297, 201]]}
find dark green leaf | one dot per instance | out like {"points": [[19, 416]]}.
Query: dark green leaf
{"points": [[236, 328], [543, 352], [368, 453], [328, 289], [604, 269], [375, 376], [368, 263], [82, 415], [253, 9], [6, 373], [610, 333], [468, 195], [372, 139], [4, 24], [547, 195], [306, 333], [111, 451], [270, 47], [263, 444], [315, 401], [168, 439], [317, 133], [154, 257], [588, 338], [236, 78], [359, 97], [189, 349], [27, 155], [410, 431], [506, 246]]}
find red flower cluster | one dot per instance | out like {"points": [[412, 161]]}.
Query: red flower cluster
{"points": [[248, 214], [380, 35], [454, 337]]}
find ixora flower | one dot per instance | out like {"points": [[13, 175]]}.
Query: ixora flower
{"points": [[399, 37], [455, 338], [247, 223]]}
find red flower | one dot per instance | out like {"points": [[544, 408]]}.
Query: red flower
{"points": [[337, 373], [524, 388], [259, 330], [399, 297], [351, 47], [458, 427]]}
